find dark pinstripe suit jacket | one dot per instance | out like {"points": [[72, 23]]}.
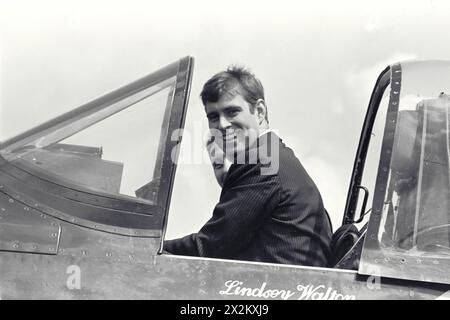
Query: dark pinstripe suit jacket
{"points": [[275, 218]]}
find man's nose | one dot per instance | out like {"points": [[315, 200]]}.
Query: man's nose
{"points": [[224, 123]]}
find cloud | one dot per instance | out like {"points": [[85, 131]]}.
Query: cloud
{"points": [[372, 24], [331, 184], [360, 81]]}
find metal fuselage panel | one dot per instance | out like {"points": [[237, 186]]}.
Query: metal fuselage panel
{"points": [[111, 266], [106, 263]]}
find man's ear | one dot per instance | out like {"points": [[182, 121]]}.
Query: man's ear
{"points": [[261, 110]]}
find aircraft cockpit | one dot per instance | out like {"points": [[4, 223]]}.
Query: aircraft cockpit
{"points": [[73, 195]]}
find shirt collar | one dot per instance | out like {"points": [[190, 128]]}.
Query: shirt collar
{"points": [[265, 131]]}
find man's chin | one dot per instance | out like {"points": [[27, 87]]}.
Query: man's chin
{"points": [[236, 148]]}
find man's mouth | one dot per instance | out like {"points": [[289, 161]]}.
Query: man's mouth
{"points": [[229, 136]]}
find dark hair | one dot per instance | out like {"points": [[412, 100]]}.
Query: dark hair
{"points": [[234, 80]]}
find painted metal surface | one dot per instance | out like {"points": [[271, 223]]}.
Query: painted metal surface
{"points": [[24, 229], [80, 212], [116, 267], [33, 276]]}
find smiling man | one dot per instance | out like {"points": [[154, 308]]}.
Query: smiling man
{"points": [[262, 215]]}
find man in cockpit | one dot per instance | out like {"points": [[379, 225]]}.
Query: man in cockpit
{"points": [[269, 209]]}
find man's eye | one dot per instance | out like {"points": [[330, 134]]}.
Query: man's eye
{"points": [[232, 113], [213, 118]]}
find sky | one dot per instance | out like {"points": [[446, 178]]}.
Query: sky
{"points": [[318, 61]]}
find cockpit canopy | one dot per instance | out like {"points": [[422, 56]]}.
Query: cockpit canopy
{"points": [[108, 164], [409, 230]]}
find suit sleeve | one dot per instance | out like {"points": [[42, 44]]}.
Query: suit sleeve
{"points": [[247, 199]]}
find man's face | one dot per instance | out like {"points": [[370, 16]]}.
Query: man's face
{"points": [[232, 117]]}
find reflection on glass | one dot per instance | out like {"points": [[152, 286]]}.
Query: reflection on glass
{"points": [[113, 151], [416, 211]]}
